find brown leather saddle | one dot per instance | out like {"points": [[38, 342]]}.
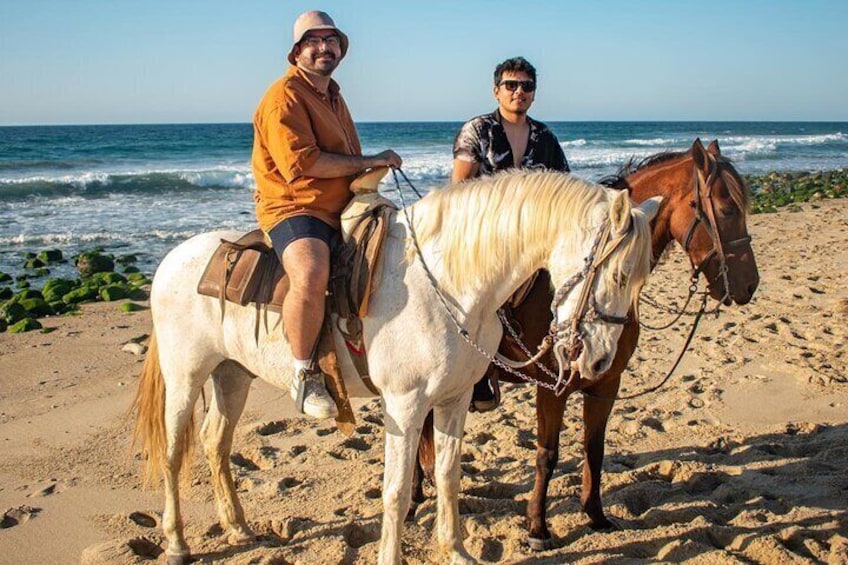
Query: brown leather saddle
{"points": [[247, 271]]}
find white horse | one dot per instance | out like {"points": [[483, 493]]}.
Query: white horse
{"points": [[481, 240]]}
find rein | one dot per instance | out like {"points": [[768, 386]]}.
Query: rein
{"points": [[558, 329], [708, 218]]}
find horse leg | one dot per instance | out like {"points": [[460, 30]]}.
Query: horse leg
{"points": [[597, 405], [449, 425], [404, 417], [424, 464], [549, 413], [179, 408], [230, 385]]}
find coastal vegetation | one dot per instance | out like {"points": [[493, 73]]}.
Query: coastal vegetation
{"points": [[21, 306]]}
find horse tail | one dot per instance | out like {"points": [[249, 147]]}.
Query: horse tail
{"points": [[149, 409], [427, 449]]}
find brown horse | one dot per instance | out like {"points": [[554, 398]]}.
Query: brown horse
{"points": [[704, 209]]}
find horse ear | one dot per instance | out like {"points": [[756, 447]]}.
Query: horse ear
{"points": [[619, 213], [713, 148], [651, 207], [699, 155]]}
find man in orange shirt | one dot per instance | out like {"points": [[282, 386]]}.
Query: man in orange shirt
{"points": [[305, 153]]}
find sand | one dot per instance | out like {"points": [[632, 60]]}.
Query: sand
{"points": [[741, 458]]}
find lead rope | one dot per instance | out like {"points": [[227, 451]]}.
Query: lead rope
{"points": [[655, 388]]}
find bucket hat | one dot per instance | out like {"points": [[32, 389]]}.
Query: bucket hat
{"points": [[313, 20]]}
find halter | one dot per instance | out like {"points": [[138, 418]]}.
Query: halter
{"points": [[707, 217], [587, 310], [587, 307]]}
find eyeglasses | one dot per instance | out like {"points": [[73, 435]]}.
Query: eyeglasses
{"points": [[512, 85], [315, 41]]}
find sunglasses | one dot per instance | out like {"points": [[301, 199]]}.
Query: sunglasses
{"points": [[315, 41], [512, 85]]}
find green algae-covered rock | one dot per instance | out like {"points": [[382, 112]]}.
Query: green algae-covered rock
{"points": [[25, 325], [22, 284], [126, 259], [6, 293], [50, 255], [92, 262], [28, 293], [130, 307], [114, 292], [42, 272], [5, 277], [58, 307], [12, 312], [138, 279], [34, 264], [137, 293], [105, 278], [55, 289], [129, 269], [81, 294], [36, 307]]}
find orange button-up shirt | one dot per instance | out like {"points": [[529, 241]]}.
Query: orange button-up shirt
{"points": [[293, 124]]}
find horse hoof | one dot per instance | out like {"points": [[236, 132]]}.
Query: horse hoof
{"points": [[177, 560], [241, 538], [605, 525], [539, 544]]}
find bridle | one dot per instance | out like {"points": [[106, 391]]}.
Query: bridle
{"points": [[567, 330], [586, 312], [706, 216], [703, 215]]}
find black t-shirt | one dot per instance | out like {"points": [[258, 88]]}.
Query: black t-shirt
{"points": [[483, 140]]}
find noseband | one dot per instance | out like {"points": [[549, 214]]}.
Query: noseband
{"points": [[706, 215], [587, 312]]}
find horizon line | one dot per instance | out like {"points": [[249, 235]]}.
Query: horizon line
{"points": [[549, 121]]}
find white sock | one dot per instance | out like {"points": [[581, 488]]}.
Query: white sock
{"points": [[301, 364]]}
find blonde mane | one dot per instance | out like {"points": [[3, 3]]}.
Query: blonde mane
{"points": [[526, 212]]}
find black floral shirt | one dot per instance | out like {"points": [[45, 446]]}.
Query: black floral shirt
{"points": [[483, 140]]}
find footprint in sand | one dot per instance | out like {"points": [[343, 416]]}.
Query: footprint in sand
{"points": [[131, 551], [272, 428], [143, 519], [358, 535], [45, 490], [19, 515], [243, 462]]}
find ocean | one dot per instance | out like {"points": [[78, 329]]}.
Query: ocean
{"points": [[143, 189]]}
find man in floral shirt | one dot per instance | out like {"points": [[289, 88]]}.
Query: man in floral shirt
{"points": [[507, 138]]}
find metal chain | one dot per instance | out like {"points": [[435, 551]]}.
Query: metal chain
{"points": [[434, 283]]}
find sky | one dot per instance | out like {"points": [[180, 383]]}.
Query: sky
{"points": [[195, 61]]}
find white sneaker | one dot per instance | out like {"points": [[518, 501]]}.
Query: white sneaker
{"points": [[310, 395]]}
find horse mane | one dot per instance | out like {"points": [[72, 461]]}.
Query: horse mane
{"points": [[736, 186], [528, 211]]}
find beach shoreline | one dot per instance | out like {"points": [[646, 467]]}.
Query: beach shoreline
{"points": [[740, 458]]}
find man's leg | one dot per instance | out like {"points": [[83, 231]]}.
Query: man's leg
{"points": [[307, 264]]}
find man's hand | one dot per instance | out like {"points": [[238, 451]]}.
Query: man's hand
{"points": [[387, 158]]}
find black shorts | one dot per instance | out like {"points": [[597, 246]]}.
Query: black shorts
{"points": [[300, 227]]}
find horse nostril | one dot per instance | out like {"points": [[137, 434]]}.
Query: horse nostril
{"points": [[600, 365]]}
